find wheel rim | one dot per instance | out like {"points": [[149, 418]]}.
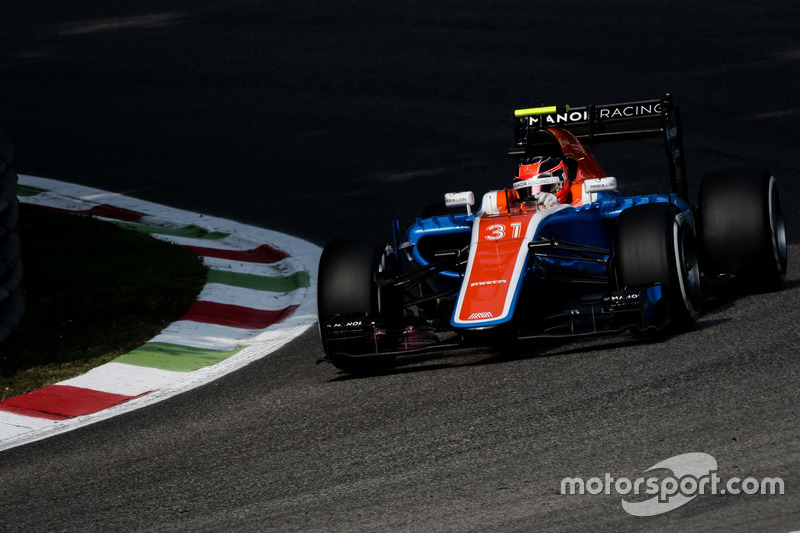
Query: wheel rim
{"points": [[688, 267], [777, 228]]}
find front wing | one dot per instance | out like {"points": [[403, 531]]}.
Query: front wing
{"points": [[360, 336]]}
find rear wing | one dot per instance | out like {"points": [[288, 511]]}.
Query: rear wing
{"points": [[600, 123]]}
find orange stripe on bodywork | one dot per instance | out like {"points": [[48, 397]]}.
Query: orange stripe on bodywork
{"points": [[499, 247]]}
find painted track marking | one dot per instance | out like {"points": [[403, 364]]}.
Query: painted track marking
{"points": [[259, 296]]}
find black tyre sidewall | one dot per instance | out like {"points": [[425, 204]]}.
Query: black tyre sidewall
{"points": [[346, 282], [742, 226]]}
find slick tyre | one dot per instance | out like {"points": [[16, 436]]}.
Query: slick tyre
{"points": [[742, 227], [654, 243], [347, 285]]}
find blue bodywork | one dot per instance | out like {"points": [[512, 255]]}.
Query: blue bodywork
{"points": [[589, 225]]}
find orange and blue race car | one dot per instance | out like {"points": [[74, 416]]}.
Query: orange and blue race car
{"points": [[560, 253]]}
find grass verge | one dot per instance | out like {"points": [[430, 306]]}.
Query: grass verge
{"points": [[93, 292]]}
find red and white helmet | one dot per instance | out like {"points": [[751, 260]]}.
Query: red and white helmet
{"points": [[542, 174]]}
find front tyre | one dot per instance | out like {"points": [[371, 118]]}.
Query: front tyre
{"points": [[655, 243], [346, 285]]}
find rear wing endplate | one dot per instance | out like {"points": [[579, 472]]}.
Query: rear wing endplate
{"points": [[600, 123]]}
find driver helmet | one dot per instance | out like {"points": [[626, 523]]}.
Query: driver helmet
{"points": [[542, 174]]}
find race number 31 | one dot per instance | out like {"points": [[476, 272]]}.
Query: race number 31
{"points": [[498, 231]]}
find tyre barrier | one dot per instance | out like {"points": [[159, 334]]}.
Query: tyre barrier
{"points": [[12, 302]]}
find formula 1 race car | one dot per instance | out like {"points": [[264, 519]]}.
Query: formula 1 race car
{"points": [[559, 254]]}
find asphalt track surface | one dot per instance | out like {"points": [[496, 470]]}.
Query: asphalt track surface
{"points": [[322, 120]]}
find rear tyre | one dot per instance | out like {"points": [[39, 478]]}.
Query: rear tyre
{"points": [[742, 227], [347, 286], [654, 243]]}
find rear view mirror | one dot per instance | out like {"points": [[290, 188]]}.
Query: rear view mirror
{"points": [[454, 199], [594, 186]]}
